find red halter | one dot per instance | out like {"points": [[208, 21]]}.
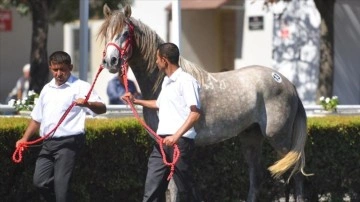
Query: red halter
{"points": [[123, 51]]}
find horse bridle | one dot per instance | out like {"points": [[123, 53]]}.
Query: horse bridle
{"points": [[123, 51]]}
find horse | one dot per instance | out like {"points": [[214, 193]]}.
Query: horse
{"points": [[256, 103]]}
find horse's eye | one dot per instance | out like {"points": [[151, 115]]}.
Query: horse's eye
{"points": [[125, 35]]}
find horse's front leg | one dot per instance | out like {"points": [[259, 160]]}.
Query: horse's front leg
{"points": [[252, 152]]}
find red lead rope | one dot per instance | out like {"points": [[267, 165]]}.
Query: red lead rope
{"points": [[17, 156], [176, 153]]}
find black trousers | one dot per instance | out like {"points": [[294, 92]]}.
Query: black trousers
{"points": [[156, 179], [54, 167]]}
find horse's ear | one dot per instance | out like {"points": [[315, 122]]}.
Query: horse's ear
{"points": [[106, 10], [127, 11]]}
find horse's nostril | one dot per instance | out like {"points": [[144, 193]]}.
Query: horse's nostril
{"points": [[104, 61], [113, 60]]}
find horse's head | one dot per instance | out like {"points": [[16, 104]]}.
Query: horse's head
{"points": [[118, 31]]}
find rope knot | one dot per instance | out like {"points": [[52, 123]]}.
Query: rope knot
{"points": [[17, 156]]}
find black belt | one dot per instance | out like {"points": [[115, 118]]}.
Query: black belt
{"points": [[65, 137], [163, 136]]}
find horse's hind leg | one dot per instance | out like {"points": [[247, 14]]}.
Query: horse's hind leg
{"points": [[299, 187], [251, 143]]}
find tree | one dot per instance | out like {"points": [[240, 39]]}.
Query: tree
{"points": [[38, 56], [326, 75], [44, 12]]}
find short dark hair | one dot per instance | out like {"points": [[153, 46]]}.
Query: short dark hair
{"points": [[60, 57], [170, 51]]}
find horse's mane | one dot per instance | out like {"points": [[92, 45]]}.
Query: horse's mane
{"points": [[147, 42], [115, 23], [146, 38], [195, 70]]}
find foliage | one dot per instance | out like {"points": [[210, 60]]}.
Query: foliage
{"points": [[25, 104], [45, 12], [58, 8], [331, 157], [112, 166], [329, 104]]}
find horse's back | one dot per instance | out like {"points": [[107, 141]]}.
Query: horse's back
{"points": [[263, 78], [280, 101], [263, 82], [234, 100]]}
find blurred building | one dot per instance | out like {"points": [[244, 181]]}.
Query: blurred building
{"points": [[15, 46], [218, 34]]}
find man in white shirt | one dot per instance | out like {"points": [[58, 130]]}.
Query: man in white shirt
{"points": [[179, 109], [56, 159]]}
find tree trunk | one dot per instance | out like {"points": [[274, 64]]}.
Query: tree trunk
{"points": [[326, 75], [38, 56]]}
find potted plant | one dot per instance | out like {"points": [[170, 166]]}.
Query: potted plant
{"points": [[329, 104], [25, 105]]}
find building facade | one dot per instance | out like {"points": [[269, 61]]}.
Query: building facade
{"points": [[218, 35]]}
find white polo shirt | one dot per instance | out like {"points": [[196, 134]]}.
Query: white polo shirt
{"points": [[178, 93], [55, 100]]}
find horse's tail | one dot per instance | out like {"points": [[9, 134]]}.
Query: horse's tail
{"points": [[296, 156]]}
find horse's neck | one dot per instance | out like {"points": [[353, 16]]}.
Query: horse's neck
{"points": [[146, 79], [143, 61]]}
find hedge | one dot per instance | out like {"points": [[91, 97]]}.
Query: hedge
{"points": [[112, 166]]}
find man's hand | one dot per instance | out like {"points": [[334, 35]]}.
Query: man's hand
{"points": [[170, 140], [128, 97], [81, 102], [22, 140], [96, 107]]}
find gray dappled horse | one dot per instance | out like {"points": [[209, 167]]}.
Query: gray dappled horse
{"points": [[255, 103]]}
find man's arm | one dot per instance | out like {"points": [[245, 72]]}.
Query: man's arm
{"points": [[144, 103], [189, 123], [30, 130], [96, 107], [19, 88]]}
